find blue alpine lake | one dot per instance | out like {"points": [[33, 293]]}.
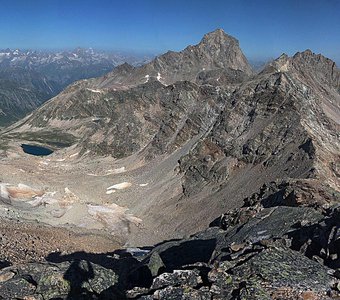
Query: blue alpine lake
{"points": [[36, 150]]}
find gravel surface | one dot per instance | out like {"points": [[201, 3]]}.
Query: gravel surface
{"points": [[31, 241]]}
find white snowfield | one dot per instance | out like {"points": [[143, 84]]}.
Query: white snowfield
{"points": [[113, 216], [120, 186], [108, 192], [95, 91]]}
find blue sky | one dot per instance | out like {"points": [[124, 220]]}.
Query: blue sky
{"points": [[265, 28]]}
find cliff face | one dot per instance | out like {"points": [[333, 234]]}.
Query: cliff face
{"points": [[216, 51]]}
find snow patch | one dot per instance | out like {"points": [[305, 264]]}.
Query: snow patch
{"points": [[118, 170], [120, 186], [113, 217], [110, 192], [95, 91], [73, 155]]}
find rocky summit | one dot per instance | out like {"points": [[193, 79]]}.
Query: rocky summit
{"points": [[233, 177]]}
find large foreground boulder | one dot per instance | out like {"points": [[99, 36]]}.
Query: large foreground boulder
{"points": [[281, 252]]}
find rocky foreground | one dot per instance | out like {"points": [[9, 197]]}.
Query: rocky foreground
{"points": [[282, 244]]}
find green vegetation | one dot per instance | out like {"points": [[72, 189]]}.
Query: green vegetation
{"points": [[55, 139]]}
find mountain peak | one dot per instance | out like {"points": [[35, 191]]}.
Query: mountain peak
{"points": [[223, 51], [310, 56], [322, 68], [218, 36], [216, 51], [125, 66]]}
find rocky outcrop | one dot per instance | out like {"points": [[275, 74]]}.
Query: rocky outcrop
{"points": [[69, 280], [217, 50], [262, 251]]}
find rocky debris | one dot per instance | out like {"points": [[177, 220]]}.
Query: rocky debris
{"points": [[22, 241], [261, 258], [226, 135], [72, 280], [224, 131], [302, 192], [281, 252], [307, 192]]}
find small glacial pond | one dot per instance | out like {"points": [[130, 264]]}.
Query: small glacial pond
{"points": [[36, 150]]}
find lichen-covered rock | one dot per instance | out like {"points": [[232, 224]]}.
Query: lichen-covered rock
{"points": [[177, 277], [64, 280], [180, 293], [263, 257], [280, 267]]}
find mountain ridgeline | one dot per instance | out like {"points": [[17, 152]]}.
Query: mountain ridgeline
{"points": [[29, 78], [255, 156], [226, 126]]}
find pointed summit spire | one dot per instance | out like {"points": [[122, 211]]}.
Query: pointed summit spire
{"points": [[218, 36], [223, 51]]}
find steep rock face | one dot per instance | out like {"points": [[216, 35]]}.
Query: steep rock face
{"points": [[165, 117], [317, 78], [217, 50], [244, 131], [324, 70], [151, 116], [280, 119]]}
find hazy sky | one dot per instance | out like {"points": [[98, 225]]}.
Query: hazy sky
{"points": [[264, 28]]}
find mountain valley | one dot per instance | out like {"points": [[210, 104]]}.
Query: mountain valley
{"points": [[227, 171], [29, 78]]}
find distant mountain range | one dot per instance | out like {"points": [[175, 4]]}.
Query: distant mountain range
{"points": [[28, 78]]}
